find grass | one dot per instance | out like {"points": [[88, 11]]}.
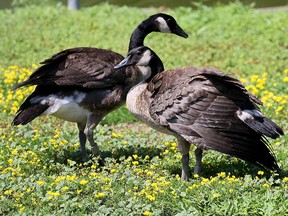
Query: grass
{"points": [[39, 168]]}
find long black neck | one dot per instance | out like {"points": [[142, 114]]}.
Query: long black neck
{"points": [[139, 34]]}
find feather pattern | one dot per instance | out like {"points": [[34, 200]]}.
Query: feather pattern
{"points": [[202, 102]]}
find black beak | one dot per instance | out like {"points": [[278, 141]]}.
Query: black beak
{"points": [[124, 63], [180, 32]]}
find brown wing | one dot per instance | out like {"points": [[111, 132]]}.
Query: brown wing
{"points": [[83, 67], [201, 104]]}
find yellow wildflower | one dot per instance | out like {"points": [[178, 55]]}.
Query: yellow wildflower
{"points": [[113, 170], [40, 183], [83, 182], [99, 195], [221, 174], [51, 193], [216, 195], [260, 173], [135, 163], [147, 213], [150, 197]]}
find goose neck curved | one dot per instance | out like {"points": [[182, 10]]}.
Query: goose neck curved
{"points": [[139, 34]]}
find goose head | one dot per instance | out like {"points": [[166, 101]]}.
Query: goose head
{"points": [[159, 22], [166, 24], [145, 59]]}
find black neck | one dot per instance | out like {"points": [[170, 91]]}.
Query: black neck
{"points": [[139, 34], [156, 66]]}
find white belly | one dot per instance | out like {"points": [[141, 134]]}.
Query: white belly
{"points": [[71, 112], [65, 107]]}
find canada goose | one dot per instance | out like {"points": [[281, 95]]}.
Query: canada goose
{"points": [[80, 84], [203, 106]]}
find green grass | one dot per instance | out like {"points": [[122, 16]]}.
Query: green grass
{"points": [[40, 170]]}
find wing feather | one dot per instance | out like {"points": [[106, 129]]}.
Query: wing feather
{"points": [[201, 104], [82, 67]]}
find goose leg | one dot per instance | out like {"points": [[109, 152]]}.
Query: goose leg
{"points": [[198, 165], [93, 121], [82, 139], [184, 147]]}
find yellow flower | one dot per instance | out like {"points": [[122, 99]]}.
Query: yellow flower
{"points": [[10, 161], [285, 179], [279, 108], [21, 208], [8, 192], [266, 185], [204, 181], [254, 78], [51, 193], [135, 156], [222, 174], [114, 135], [216, 195], [135, 163], [285, 79], [41, 183], [243, 80], [196, 176], [65, 188], [147, 213], [14, 151], [166, 152], [99, 195], [260, 173], [150, 197], [113, 171], [71, 178], [83, 182]]}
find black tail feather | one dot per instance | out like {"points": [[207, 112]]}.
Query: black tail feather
{"points": [[246, 145], [24, 116], [265, 126]]}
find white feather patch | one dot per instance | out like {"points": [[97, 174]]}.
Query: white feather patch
{"points": [[245, 115], [163, 26], [66, 107]]}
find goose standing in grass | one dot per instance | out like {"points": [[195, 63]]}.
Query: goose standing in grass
{"points": [[203, 106], [80, 84]]}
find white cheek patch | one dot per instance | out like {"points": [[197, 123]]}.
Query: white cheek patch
{"points": [[245, 115], [145, 71], [163, 26], [145, 59], [143, 64]]}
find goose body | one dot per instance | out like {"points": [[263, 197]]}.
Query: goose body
{"points": [[80, 84], [202, 106]]}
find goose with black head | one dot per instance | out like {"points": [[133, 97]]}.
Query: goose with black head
{"points": [[80, 84], [203, 106]]}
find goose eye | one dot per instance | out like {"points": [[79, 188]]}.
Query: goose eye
{"points": [[138, 53]]}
